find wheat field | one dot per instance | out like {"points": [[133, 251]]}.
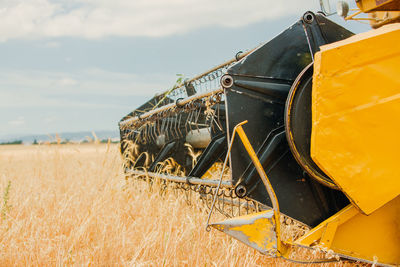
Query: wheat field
{"points": [[70, 205]]}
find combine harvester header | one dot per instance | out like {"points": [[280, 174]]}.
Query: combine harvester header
{"points": [[308, 124]]}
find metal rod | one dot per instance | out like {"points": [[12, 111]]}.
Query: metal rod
{"points": [[169, 106], [236, 203], [237, 58], [172, 178], [353, 15], [222, 174], [197, 96]]}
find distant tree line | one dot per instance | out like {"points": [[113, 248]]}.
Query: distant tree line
{"points": [[62, 142], [16, 142]]}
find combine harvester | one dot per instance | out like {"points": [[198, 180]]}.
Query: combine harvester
{"points": [[321, 108]]}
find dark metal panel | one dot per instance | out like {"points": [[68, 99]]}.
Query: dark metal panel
{"points": [[263, 115], [215, 150], [281, 58], [258, 88], [331, 31]]}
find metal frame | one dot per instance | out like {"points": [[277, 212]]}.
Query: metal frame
{"points": [[172, 178]]}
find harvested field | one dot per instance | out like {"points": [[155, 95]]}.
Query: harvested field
{"points": [[70, 205]]}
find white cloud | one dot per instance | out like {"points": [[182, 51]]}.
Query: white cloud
{"points": [[44, 89], [67, 81], [100, 18], [17, 122]]}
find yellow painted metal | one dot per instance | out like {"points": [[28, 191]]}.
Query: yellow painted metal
{"points": [[256, 230], [251, 231], [329, 234], [370, 238], [378, 5], [379, 18], [380, 12], [353, 15], [356, 116], [267, 184], [239, 125], [349, 233], [315, 234]]}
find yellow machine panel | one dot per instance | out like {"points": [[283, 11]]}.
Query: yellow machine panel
{"points": [[255, 230], [380, 18], [356, 116], [374, 238], [378, 5]]}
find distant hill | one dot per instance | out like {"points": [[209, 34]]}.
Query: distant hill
{"points": [[70, 136]]}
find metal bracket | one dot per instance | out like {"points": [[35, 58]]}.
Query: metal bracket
{"points": [[275, 205], [324, 233]]}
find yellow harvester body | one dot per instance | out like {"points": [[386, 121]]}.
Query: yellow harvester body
{"points": [[355, 138], [356, 116], [356, 141]]}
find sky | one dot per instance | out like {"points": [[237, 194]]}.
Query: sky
{"points": [[78, 65]]}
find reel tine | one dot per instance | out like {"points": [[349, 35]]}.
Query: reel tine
{"points": [[166, 128], [162, 126], [176, 126], [158, 124], [146, 133], [187, 125], [170, 130], [197, 119], [154, 131], [218, 114], [179, 125], [167, 133], [173, 127], [153, 128]]}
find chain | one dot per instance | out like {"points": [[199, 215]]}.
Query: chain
{"points": [[205, 83], [227, 204], [202, 84]]}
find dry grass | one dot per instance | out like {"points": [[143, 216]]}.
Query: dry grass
{"points": [[70, 205]]}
